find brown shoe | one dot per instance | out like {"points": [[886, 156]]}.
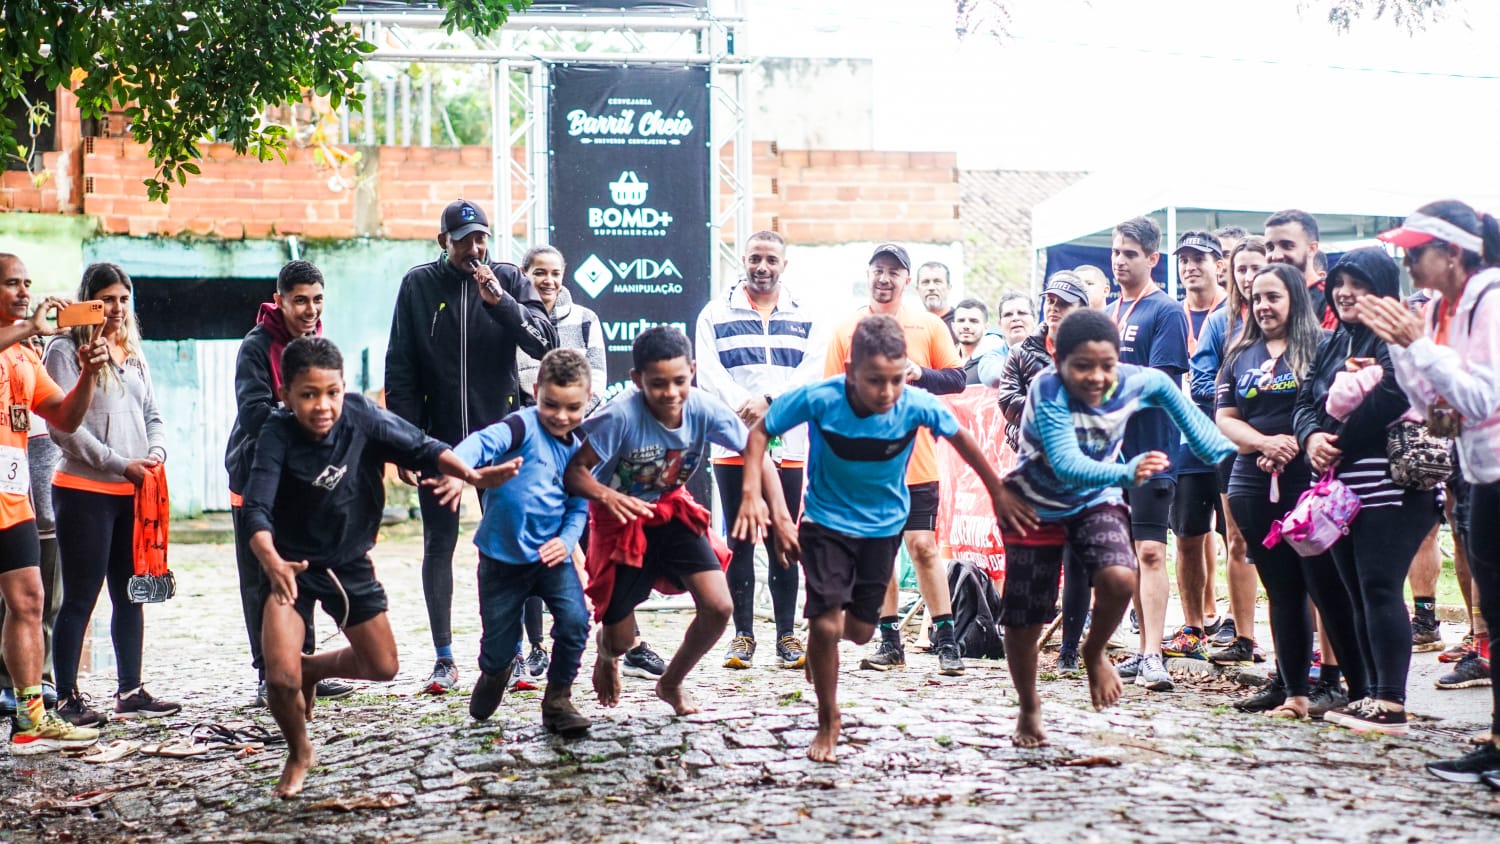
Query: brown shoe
{"points": [[558, 714]]}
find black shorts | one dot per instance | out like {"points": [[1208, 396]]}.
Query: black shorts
{"points": [[20, 547], [1098, 537], [924, 506], [1195, 504], [846, 572], [349, 593], [1224, 470], [1151, 509], [672, 551]]}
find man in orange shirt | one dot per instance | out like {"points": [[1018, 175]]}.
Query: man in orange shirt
{"points": [[932, 364]]}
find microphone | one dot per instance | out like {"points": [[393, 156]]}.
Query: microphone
{"points": [[489, 284]]}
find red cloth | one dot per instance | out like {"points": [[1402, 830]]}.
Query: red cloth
{"points": [[615, 543], [153, 515], [269, 317]]}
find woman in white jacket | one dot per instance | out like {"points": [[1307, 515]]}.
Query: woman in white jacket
{"points": [[1450, 369]]}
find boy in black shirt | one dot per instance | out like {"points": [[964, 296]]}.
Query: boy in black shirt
{"points": [[312, 506]]}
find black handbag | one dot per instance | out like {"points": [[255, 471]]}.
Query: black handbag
{"points": [[1419, 460]]}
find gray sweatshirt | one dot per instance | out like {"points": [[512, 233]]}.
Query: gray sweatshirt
{"points": [[122, 423]]}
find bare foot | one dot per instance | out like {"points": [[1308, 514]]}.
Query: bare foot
{"points": [[1294, 708], [1104, 681], [1482, 737], [1029, 732], [682, 702], [298, 762], [607, 680], [825, 744]]}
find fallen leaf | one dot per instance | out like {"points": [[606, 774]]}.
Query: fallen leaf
{"points": [[382, 800], [1092, 762]]}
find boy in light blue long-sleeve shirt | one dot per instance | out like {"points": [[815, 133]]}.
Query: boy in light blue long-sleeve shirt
{"points": [[526, 539]]}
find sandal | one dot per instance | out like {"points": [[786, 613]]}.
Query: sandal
{"points": [[252, 737], [178, 748], [1287, 711], [112, 752]]}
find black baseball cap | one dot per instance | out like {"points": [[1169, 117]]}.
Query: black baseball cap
{"points": [[462, 218], [1199, 241], [1067, 287], [894, 251]]}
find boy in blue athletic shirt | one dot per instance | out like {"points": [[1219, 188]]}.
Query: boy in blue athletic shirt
{"points": [[646, 532], [861, 425], [1068, 471], [526, 539]]}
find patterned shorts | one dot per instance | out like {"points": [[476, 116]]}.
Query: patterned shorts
{"points": [[1099, 537]]}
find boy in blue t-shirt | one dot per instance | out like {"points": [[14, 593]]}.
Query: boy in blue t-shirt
{"points": [[1068, 471], [645, 531], [526, 539], [861, 426]]}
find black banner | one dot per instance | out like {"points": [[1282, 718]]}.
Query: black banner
{"points": [[628, 196]]}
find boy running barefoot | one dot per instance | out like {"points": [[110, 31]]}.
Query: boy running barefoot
{"points": [[1068, 472], [861, 425], [526, 539], [313, 505], [646, 531]]}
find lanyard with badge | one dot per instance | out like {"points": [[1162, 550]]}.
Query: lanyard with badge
{"points": [[1120, 303], [1192, 337], [15, 474]]}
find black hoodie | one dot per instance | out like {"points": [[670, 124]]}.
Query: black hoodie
{"points": [[450, 368], [1362, 435]]}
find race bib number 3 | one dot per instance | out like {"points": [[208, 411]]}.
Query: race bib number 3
{"points": [[15, 474]]}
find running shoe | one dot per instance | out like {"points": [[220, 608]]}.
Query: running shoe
{"points": [[1425, 636], [1270, 696], [950, 664], [1457, 652], [640, 661], [488, 692], [141, 704], [1491, 779], [7, 702], [1240, 652], [1188, 643], [1226, 632], [260, 699], [1376, 716], [1153, 675], [1338, 716], [333, 689], [790, 653], [537, 661], [1129, 667], [520, 681], [443, 678], [49, 695], [51, 734], [1068, 661], [77, 709], [741, 652], [888, 655], [1471, 769], [1473, 671], [1325, 697], [1211, 628], [1135, 623]]}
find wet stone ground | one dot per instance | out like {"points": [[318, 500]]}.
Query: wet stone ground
{"points": [[925, 757]]}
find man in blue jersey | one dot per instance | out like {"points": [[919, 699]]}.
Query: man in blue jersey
{"points": [[862, 426], [1153, 332]]}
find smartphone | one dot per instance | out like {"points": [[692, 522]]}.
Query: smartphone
{"points": [[81, 313]]}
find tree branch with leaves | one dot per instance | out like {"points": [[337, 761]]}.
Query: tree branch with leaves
{"points": [[187, 71]]}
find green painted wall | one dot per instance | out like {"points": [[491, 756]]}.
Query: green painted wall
{"points": [[51, 246]]}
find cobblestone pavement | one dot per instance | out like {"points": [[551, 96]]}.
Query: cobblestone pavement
{"points": [[925, 757]]}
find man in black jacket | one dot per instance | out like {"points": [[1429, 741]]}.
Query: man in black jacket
{"points": [[450, 369]]}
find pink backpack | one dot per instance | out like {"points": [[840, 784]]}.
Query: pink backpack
{"points": [[1319, 518]]}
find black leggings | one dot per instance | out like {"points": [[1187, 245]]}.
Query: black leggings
{"points": [[783, 581], [1076, 592], [531, 615], [439, 538], [1289, 581], [1484, 565], [1372, 562], [95, 534]]}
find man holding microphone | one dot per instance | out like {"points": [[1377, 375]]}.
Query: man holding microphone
{"points": [[450, 369]]}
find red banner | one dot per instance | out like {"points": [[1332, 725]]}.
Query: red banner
{"points": [[966, 527]]}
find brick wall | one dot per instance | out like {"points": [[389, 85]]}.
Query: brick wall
{"points": [[810, 196]]}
